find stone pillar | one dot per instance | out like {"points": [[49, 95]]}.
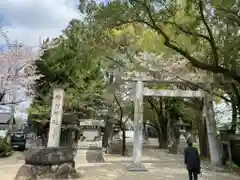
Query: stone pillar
{"points": [[53, 162], [56, 119], [138, 129]]}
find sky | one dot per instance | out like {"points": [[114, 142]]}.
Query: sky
{"points": [[29, 20]]}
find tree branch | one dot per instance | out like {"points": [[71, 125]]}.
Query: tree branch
{"points": [[231, 15], [193, 105], [128, 117], [212, 40], [153, 106], [187, 31], [152, 125], [190, 84], [120, 107], [167, 42], [11, 103]]}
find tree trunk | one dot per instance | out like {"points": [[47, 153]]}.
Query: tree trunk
{"points": [[161, 125], [163, 142], [163, 136], [214, 146], [234, 114], [44, 140], [145, 131], [203, 139], [176, 139], [237, 99], [202, 129], [123, 140], [158, 129], [107, 134], [2, 94]]}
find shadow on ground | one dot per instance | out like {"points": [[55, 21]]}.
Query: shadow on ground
{"points": [[156, 171]]}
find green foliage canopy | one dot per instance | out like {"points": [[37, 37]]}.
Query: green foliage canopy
{"points": [[69, 62]]}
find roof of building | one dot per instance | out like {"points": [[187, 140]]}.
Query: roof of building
{"points": [[90, 122]]}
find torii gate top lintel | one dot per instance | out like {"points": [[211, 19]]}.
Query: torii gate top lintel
{"points": [[172, 80]]}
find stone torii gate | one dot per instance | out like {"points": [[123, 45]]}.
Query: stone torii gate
{"points": [[141, 91]]}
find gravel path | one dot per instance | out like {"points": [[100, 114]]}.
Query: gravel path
{"points": [[160, 165]]}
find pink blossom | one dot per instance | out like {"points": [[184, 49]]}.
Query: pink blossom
{"points": [[17, 67]]}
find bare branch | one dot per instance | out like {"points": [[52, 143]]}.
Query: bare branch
{"points": [[11, 103]]}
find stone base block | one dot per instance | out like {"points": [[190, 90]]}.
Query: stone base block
{"points": [[137, 167], [91, 156], [56, 172], [49, 156], [115, 147]]}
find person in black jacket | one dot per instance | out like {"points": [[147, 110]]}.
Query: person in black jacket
{"points": [[192, 160]]}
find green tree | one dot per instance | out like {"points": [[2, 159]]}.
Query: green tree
{"points": [[192, 20], [196, 34], [129, 40], [69, 62]]}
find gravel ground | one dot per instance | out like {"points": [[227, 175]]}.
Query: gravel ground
{"points": [[159, 164]]}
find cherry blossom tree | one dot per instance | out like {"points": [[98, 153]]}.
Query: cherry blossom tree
{"points": [[17, 69]]}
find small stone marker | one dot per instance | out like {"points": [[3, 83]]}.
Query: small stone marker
{"points": [[91, 144], [91, 129], [56, 118]]}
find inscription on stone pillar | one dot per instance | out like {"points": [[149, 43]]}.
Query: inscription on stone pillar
{"points": [[56, 118]]}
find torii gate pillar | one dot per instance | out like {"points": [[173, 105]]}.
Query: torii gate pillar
{"points": [[138, 129]]}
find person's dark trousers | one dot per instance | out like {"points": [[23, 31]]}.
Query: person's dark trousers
{"points": [[192, 175]]}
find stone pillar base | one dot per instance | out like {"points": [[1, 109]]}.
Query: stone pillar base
{"points": [[48, 163], [91, 156], [137, 167], [91, 152], [55, 172]]}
